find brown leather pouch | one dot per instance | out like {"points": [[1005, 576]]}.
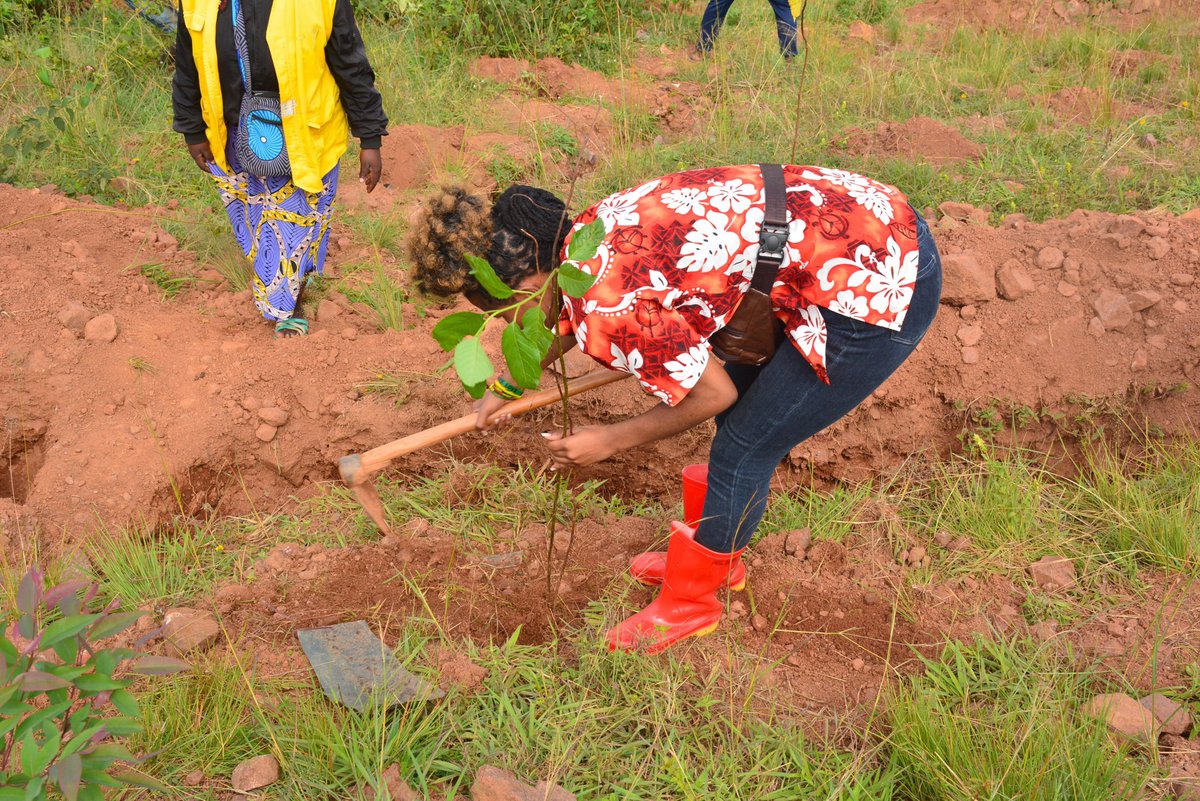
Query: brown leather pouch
{"points": [[754, 332]]}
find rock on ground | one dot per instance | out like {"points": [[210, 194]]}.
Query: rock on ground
{"points": [[273, 415], [1053, 573], [1172, 717], [102, 328], [1012, 282], [966, 280], [74, 316], [1127, 720], [254, 773], [797, 542], [1113, 310], [187, 630], [494, 784]]}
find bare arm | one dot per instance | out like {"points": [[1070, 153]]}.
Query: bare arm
{"points": [[713, 394]]}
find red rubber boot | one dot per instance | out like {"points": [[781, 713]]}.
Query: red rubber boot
{"points": [[687, 605], [648, 568]]}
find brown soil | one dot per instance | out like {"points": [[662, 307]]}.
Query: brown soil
{"points": [[91, 439], [919, 137], [1048, 14]]}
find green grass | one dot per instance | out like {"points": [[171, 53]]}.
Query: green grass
{"points": [[830, 515], [142, 568], [482, 500], [385, 296], [1001, 720], [168, 285], [1144, 508]]}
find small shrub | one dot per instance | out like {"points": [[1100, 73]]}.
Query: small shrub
{"points": [[58, 693]]}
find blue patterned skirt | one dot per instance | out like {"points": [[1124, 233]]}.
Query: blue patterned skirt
{"points": [[282, 229]]}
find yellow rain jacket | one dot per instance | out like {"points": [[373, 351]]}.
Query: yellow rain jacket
{"points": [[315, 127]]}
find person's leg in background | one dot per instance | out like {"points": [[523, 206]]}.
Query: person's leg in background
{"points": [[787, 404], [710, 24], [785, 26]]}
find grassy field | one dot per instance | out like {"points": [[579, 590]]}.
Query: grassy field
{"points": [[997, 718]]}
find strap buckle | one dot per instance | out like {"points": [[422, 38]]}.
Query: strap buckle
{"points": [[772, 240]]}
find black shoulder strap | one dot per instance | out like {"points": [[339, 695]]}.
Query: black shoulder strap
{"points": [[772, 239]]}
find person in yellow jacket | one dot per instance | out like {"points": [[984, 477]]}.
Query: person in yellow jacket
{"points": [[300, 67]]}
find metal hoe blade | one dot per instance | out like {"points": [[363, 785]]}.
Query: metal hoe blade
{"points": [[359, 482], [356, 669]]}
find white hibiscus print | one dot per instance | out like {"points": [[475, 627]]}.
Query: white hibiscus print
{"points": [[621, 208], [687, 367], [581, 335], [867, 193], [894, 280], [629, 362], [811, 335], [709, 244], [685, 201], [850, 305], [732, 195]]}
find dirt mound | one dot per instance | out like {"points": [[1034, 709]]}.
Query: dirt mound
{"points": [[555, 79], [919, 137], [1044, 14], [1068, 320], [1083, 105]]}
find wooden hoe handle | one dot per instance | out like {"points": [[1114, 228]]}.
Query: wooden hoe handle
{"points": [[378, 458]]}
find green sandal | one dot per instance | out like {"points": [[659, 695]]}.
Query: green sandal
{"points": [[296, 325]]}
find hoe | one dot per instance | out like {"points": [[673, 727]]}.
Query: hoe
{"points": [[357, 468]]}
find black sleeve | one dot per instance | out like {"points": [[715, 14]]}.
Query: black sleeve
{"points": [[185, 88], [346, 56]]}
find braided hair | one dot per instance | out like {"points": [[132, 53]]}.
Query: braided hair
{"points": [[520, 234]]}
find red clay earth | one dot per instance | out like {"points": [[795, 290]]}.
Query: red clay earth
{"points": [[1094, 305], [1046, 14], [919, 137]]}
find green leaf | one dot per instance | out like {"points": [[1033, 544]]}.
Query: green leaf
{"points": [[35, 720], [37, 681], [70, 772], [125, 703], [488, 279], [534, 326], [7, 649], [574, 281], [114, 624], [27, 626], [43, 52], [36, 790], [36, 758], [44, 76], [472, 363], [106, 661], [521, 356], [96, 683], [159, 666], [67, 650], [453, 328], [585, 242], [11, 794], [122, 727], [27, 594], [65, 627], [476, 391], [91, 792], [136, 778]]}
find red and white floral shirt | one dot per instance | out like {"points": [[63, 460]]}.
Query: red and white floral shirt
{"points": [[679, 253]]}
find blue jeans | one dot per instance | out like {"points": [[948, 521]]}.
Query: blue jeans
{"points": [[714, 16], [783, 403]]}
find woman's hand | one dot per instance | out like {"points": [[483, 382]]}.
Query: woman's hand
{"points": [[202, 154], [487, 406], [370, 168], [584, 446]]}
